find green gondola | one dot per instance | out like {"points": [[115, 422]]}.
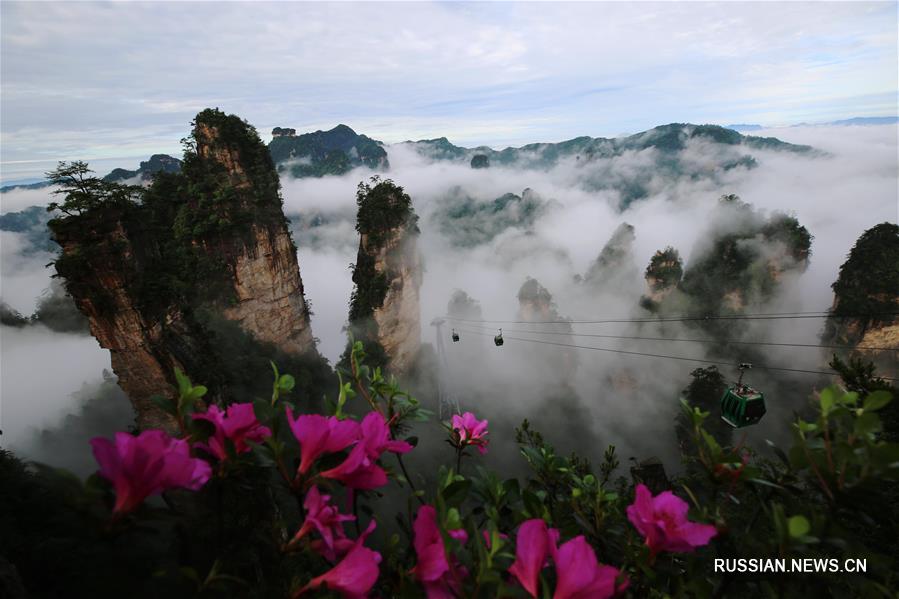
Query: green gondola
{"points": [[741, 405]]}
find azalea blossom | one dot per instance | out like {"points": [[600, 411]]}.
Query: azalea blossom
{"points": [[238, 424], [662, 520], [319, 435], [532, 546], [579, 575], [439, 576], [375, 434], [147, 464], [360, 469], [471, 431], [354, 576], [325, 519]]}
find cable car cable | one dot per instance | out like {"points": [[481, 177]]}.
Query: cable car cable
{"points": [[681, 358], [710, 341], [772, 316]]}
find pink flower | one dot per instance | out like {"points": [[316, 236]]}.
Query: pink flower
{"points": [[324, 518], [532, 546], [145, 465], [360, 470], [579, 575], [471, 431], [354, 576], [319, 435], [376, 437], [662, 520], [437, 574], [238, 423]]}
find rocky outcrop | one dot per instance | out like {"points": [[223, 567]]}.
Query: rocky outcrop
{"points": [[102, 257], [742, 258], [321, 153], [663, 275], [384, 309], [207, 245], [157, 163], [536, 305], [866, 298], [463, 306], [283, 132], [615, 263], [268, 291], [480, 161]]}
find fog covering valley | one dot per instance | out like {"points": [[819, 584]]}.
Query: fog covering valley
{"points": [[478, 239]]}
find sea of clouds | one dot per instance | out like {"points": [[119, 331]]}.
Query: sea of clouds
{"points": [[627, 400]]}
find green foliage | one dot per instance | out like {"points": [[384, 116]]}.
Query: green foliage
{"points": [[385, 216], [869, 279], [468, 222], [84, 193], [666, 268], [383, 207], [323, 153], [736, 267], [480, 161], [831, 495], [860, 377], [704, 392], [157, 163], [334, 162]]}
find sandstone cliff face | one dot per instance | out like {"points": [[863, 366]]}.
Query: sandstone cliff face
{"points": [[266, 277], [399, 317], [615, 266], [269, 290], [384, 310], [135, 269], [866, 299], [102, 287]]}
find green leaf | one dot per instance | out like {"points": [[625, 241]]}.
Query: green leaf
{"points": [[867, 423], [286, 382], [456, 492], [183, 382], [798, 526], [165, 403], [827, 401], [877, 400]]}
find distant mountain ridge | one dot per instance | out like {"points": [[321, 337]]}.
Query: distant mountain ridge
{"points": [[666, 138], [858, 120], [321, 153], [145, 171], [341, 149]]}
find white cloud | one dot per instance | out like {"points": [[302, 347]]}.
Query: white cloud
{"points": [[80, 78]]}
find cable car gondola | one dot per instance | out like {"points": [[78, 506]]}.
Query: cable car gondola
{"points": [[741, 405], [498, 340], [455, 336]]}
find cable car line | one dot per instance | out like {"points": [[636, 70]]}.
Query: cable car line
{"points": [[710, 341], [761, 316], [681, 358]]}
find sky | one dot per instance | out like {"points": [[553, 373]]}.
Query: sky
{"points": [[113, 83]]}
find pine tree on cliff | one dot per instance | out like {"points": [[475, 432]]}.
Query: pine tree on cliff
{"points": [[866, 298], [200, 275], [384, 310]]}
